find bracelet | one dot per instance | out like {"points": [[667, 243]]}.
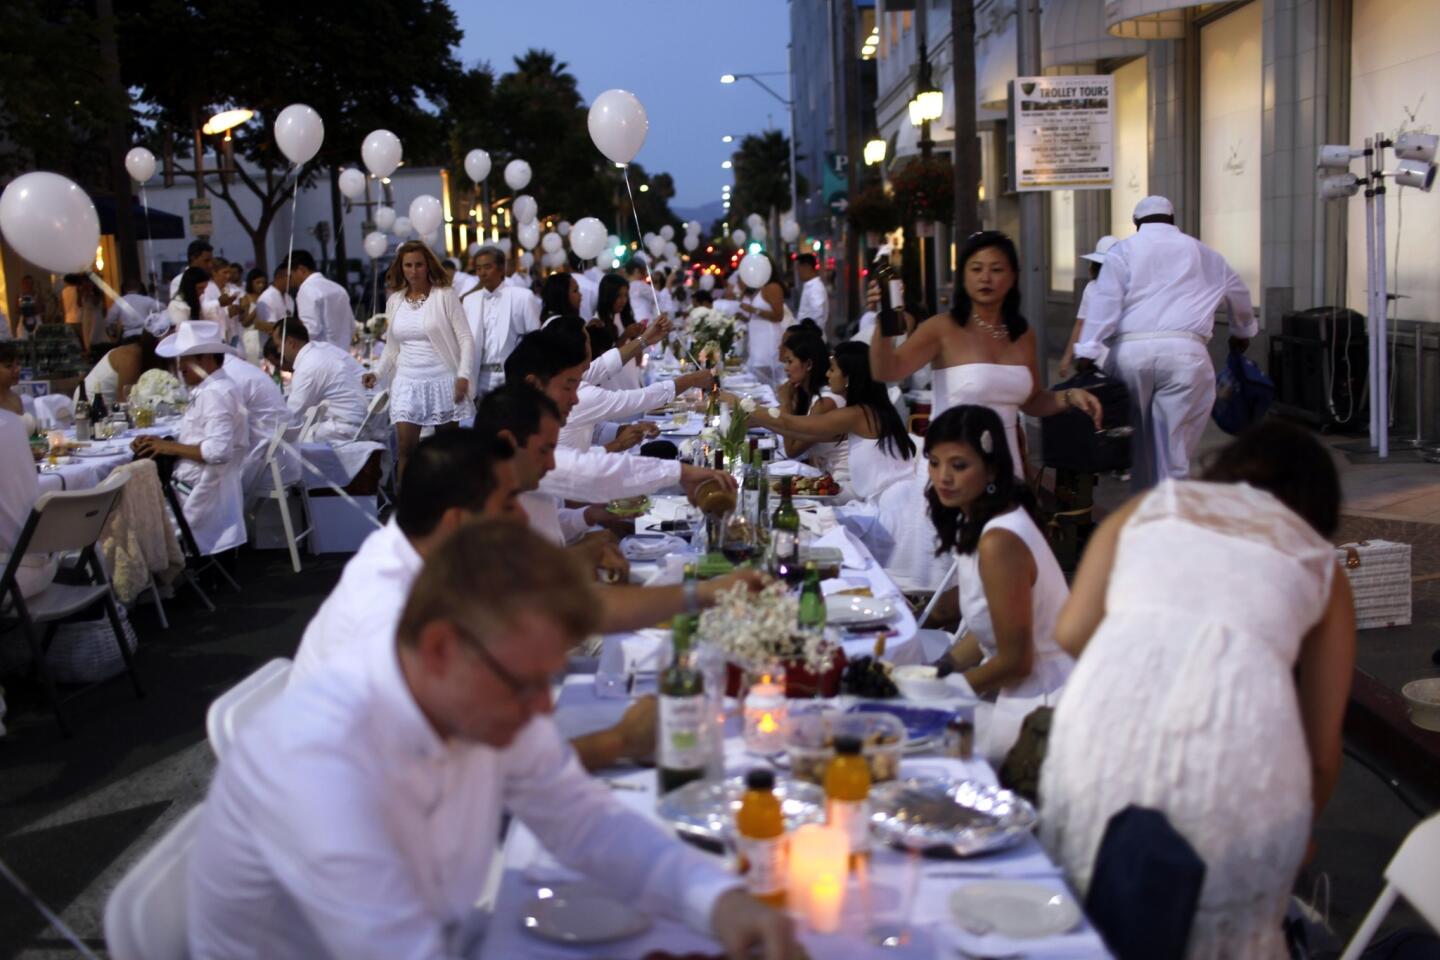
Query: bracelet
{"points": [[1069, 401], [692, 596]]}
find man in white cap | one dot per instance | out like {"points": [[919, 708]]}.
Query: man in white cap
{"points": [[1148, 320], [1097, 260], [211, 441]]}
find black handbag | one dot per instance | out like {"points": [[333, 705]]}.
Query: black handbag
{"points": [[1070, 439], [1145, 886]]}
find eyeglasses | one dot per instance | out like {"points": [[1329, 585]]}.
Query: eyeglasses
{"points": [[522, 689]]}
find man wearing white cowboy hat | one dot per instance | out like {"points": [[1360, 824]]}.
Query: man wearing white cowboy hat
{"points": [[211, 441], [1097, 260], [1149, 317]]}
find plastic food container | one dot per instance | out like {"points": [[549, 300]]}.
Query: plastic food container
{"points": [[811, 744]]}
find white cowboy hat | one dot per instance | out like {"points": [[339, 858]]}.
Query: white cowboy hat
{"points": [[1153, 206], [195, 337], [1102, 247]]}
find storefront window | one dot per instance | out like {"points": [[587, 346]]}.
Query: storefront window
{"points": [[1132, 145], [1231, 82]]}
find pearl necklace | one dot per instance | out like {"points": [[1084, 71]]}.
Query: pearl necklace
{"points": [[996, 333]]}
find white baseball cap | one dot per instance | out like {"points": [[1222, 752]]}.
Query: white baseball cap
{"points": [[1102, 247], [195, 337], [1153, 206]]}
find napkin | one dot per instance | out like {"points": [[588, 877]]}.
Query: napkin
{"points": [[670, 508], [1066, 946], [793, 468], [851, 553], [651, 547]]}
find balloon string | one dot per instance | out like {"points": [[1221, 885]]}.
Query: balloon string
{"points": [[289, 253], [636, 214], [149, 239], [109, 291]]}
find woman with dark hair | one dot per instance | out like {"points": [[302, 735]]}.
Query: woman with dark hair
{"points": [[612, 304], [986, 353], [188, 302], [1011, 587], [1216, 642], [769, 317], [806, 361], [612, 307], [884, 470], [559, 297]]}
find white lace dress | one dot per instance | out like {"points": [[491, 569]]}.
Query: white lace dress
{"points": [[1184, 701], [1002, 387], [423, 391]]}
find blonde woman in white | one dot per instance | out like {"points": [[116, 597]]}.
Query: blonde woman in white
{"points": [[429, 351]]}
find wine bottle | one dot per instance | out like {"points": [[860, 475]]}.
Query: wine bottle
{"points": [[785, 535], [680, 757], [82, 415], [888, 316], [812, 602]]}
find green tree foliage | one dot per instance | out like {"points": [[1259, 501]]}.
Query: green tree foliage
{"points": [[762, 176]]}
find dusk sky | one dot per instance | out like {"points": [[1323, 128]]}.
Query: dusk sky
{"points": [[669, 53]]}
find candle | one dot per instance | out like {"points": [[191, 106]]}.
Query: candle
{"points": [[819, 857], [765, 713]]}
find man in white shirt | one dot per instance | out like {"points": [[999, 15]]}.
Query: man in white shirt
{"points": [[274, 303], [129, 312], [265, 412], [1149, 317], [324, 372], [499, 315], [198, 254], [814, 298], [322, 304], [555, 363], [642, 301], [589, 290], [357, 818]]}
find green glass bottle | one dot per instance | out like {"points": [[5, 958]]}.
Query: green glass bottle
{"points": [[812, 601], [785, 536], [680, 757]]}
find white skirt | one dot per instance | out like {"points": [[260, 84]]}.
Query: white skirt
{"points": [[427, 402]]}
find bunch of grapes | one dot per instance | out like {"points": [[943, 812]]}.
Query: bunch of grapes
{"points": [[868, 677]]}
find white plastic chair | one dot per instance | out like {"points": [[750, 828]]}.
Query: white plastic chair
{"points": [[234, 708], [377, 406], [145, 915], [312, 416], [280, 491], [1414, 873]]}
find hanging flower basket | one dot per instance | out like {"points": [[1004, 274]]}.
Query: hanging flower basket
{"points": [[925, 190], [873, 211]]}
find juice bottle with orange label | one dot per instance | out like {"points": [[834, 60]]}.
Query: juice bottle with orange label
{"points": [[760, 837], [847, 796]]}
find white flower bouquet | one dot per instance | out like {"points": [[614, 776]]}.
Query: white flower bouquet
{"points": [[714, 332], [376, 325], [156, 387], [755, 631]]}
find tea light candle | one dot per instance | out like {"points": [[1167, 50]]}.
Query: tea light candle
{"points": [[56, 438], [819, 857], [765, 718]]}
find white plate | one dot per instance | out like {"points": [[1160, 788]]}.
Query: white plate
{"points": [[580, 915], [924, 689], [1014, 908], [849, 610], [99, 451]]}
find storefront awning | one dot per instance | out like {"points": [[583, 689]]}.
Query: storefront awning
{"points": [[162, 225], [1073, 33], [1151, 19]]}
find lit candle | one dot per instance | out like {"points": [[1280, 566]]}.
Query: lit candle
{"points": [[765, 718], [819, 857]]}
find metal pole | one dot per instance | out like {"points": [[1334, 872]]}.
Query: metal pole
{"points": [[1370, 284], [1382, 356], [1032, 256], [794, 185]]}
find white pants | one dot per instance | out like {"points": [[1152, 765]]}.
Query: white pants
{"points": [[1172, 391]]}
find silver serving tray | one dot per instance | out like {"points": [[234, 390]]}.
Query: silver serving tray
{"points": [[959, 817], [705, 809]]}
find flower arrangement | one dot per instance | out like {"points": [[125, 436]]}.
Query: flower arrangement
{"points": [[156, 387], [757, 630], [376, 325], [714, 333], [925, 190], [734, 424]]}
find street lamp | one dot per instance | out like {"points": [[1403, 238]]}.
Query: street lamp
{"points": [[875, 152], [927, 106], [226, 120], [727, 78], [789, 105], [727, 139], [726, 165]]}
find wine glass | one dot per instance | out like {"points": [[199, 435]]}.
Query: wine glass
{"points": [[738, 540]]}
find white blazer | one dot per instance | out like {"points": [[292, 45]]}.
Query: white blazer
{"points": [[447, 329]]}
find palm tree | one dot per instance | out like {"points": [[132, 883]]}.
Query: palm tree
{"points": [[762, 175]]}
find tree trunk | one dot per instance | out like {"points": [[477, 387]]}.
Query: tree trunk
{"points": [[118, 137], [337, 217], [850, 293], [967, 143]]}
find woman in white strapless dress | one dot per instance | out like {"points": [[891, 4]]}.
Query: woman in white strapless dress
{"points": [[806, 361], [885, 471], [1011, 587], [1216, 646], [984, 352]]}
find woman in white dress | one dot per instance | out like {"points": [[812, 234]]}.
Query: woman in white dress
{"points": [[1215, 647], [984, 351], [768, 318], [612, 309], [806, 361], [885, 472], [428, 353], [1011, 586]]}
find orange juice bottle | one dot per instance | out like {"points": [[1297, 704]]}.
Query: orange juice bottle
{"points": [[847, 796], [760, 830]]}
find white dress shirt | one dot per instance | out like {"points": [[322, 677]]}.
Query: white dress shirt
{"points": [[367, 601], [463, 282], [498, 319], [272, 306], [597, 405], [642, 303], [342, 826], [589, 294], [597, 475], [265, 410], [131, 313], [1161, 282], [324, 308], [814, 302], [325, 372], [549, 517], [215, 421]]}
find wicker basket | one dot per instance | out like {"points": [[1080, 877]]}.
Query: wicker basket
{"points": [[1379, 573]]}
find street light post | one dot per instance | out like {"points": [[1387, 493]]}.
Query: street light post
{"points": [[729, 78]]}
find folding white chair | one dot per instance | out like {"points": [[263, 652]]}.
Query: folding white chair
{"points": [[145, 915], [377, 406], [234, 708], [1414, 874], [311, 417], [280, 491], [61, 523]]}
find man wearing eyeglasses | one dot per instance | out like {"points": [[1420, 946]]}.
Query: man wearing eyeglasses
{"points": [[358, 816]]}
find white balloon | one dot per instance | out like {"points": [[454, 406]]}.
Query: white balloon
{"points": [[402, 227], [758, 232], [738, 238], [51, 222], [525, 208], [553, 259], [376, 244], [384, 218], [432, 239], [140, 164], [655, 244], [477, 165], [789, 231], [551, 243], [588, 239], [563, 228], [754, 220], [668, 232], [527, 260], [527, 235], [517, 174], [426, 214], [506, 245], [352, 182], [707, 281], [381, 152], [755, 270], [671, 250], [618, 124], [690, 242], [299, 132], [694, 226]]}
